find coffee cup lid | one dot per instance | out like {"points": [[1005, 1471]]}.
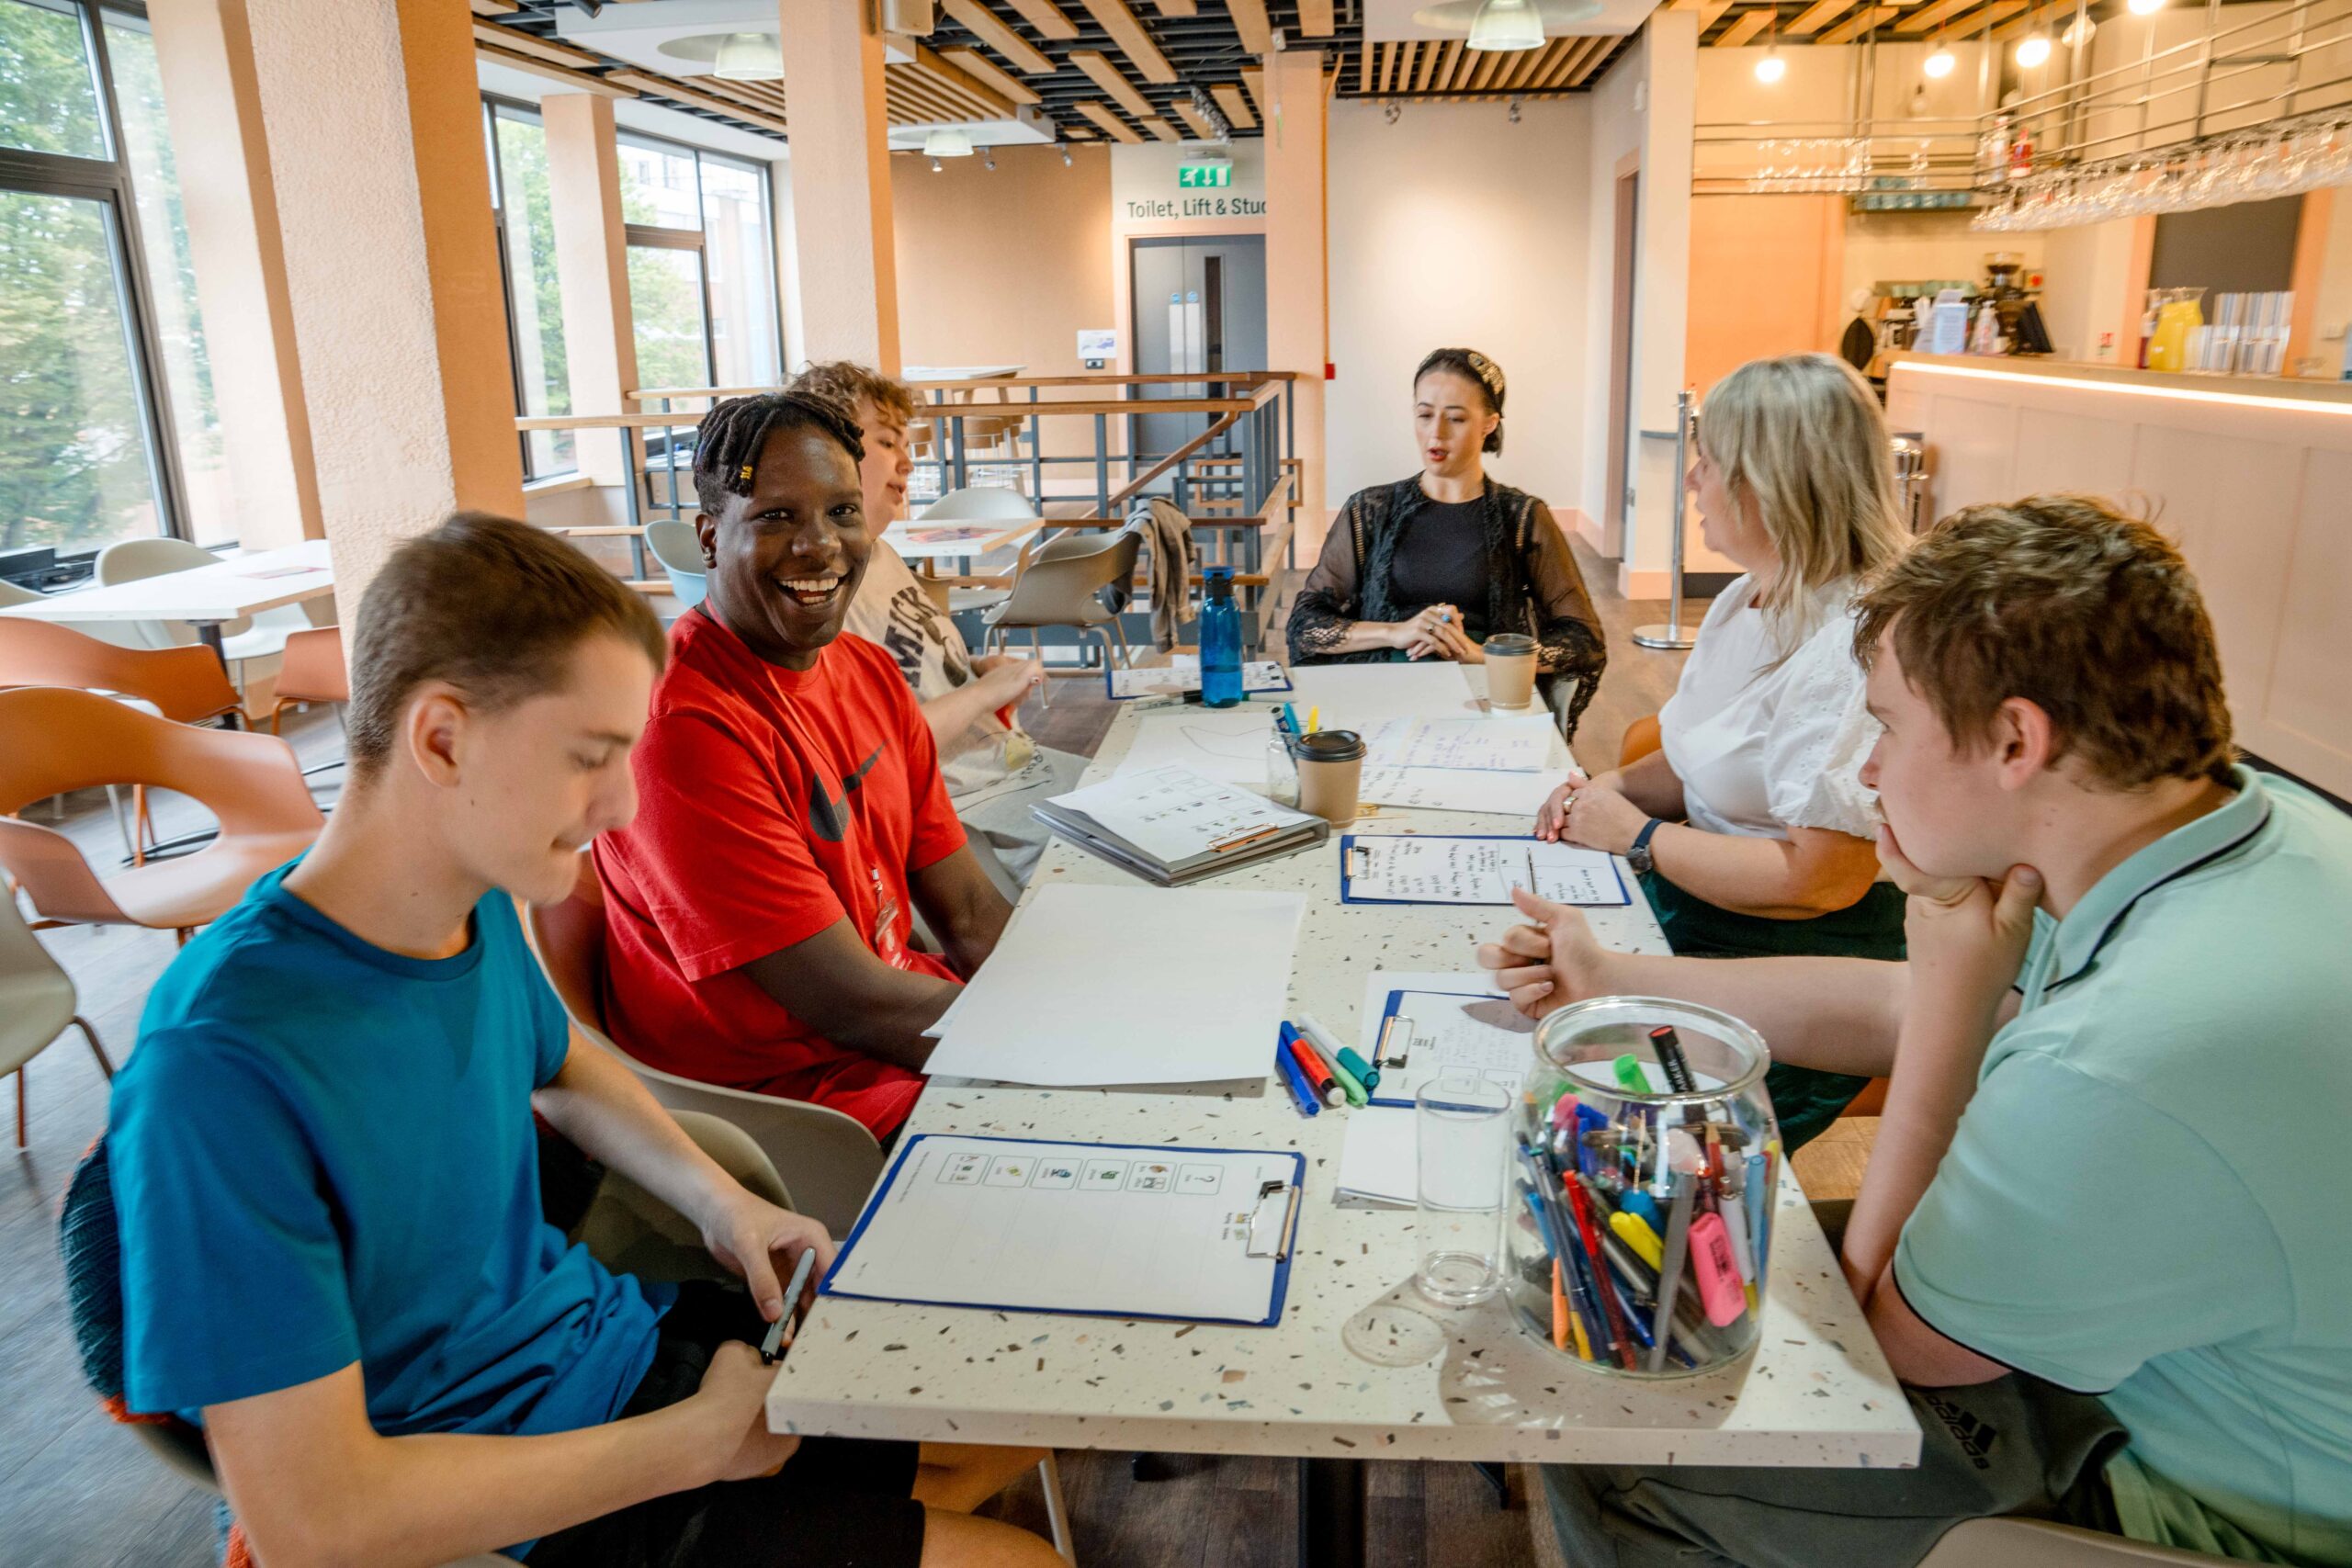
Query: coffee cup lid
{"points": [[1328, 745]]}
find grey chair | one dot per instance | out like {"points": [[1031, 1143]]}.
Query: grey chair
{"points": [[1078, 579], [2037, 1543], [674, 545], [37, 1003]]}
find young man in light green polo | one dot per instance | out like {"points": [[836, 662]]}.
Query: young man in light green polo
{"points": [[2102, 1235]]}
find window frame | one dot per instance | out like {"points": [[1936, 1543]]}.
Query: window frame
{"points": [[668, 238], [492, 106], [108, 182]]}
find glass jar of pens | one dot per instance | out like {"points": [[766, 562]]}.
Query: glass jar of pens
{"points": [[1638, 1226]]}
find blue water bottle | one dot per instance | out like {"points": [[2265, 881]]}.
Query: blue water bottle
{"points": [[1220, 641]]}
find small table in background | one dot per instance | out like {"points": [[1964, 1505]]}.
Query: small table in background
{"points": [[206, 597]]}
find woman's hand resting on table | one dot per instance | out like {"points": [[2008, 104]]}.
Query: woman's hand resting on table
{"points": [[1447, 640], [1593, 813]]}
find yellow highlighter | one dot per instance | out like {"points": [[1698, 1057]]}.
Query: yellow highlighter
{"points": [[1314, 719], [1635, 1232]]}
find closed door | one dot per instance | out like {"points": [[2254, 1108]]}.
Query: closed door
{"points": [[1199, 308]]}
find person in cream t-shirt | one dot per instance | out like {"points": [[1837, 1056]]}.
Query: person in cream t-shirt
{"points": [[994, 770]]}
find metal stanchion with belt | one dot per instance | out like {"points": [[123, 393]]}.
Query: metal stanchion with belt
{"points": [[1670, 636]]}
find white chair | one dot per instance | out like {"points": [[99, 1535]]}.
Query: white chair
{"points": [[674, 545], [253, 637], [36, 1001], [2037, 1543], [1082, 581], [979, 503]]}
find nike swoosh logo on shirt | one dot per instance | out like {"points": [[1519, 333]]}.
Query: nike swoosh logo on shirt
{"points": [[828, 815]]}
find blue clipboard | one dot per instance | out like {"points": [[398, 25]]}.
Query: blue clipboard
{"points": [[1347, 876], [1388, 1011], [882, 1189], [1110, 688]]}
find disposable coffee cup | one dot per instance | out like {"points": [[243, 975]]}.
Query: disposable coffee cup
{"points": [[1510, 669], [1330, 767]]}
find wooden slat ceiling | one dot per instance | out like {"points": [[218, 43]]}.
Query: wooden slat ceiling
{"points": [[1728, 24]]}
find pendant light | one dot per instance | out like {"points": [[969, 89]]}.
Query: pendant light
{"points": [[948, 142], [1940, 63], [2146, 8], [1503, 25], [749, 57], [1772, 68], [2034, 48]]}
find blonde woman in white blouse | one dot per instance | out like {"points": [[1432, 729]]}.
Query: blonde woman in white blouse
{"points": [[1751, 827]]}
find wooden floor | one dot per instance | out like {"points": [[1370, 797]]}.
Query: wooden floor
{"points": [[76, 1490]]}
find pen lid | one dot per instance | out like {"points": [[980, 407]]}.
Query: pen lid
{"points": [[1328, 745]]}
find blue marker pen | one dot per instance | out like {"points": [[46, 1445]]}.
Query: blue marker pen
{"points": [[1296, 1081]]}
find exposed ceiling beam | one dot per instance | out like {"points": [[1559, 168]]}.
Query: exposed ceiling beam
{"points": [[1180, 7], [1162, 129], [1046, 17], [1368, 68], [515, 41], [2017, 29], [1132, 37], [1255, 80], [1976, 21], [1113, 126], [1817, 15], [997, 37], [1745, 26], [1316, 19], [1927, 17], [1593, 60], [496, 7], [1111, 80], [946, 71], [1249, 21], [1858, 23], [989, 74], [1711, 12], [662, 88], [580, 81], [1237, 108], [1196, 120]]}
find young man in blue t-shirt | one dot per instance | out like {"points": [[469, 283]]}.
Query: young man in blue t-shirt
{"points": [[2101, 1234], [325, 1169]]}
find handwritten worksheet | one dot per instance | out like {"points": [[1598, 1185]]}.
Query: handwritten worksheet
{"points": [[1459, 789], [1035, 1226], [1174, 812], [1427, 869], [1228, 744], [1508, 745], [1182, 673], [1420, 1036]]}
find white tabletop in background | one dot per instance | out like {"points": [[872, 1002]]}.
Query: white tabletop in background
{"points": [[232, 588], [918, 541], [959, 372], [1816, 1393]]}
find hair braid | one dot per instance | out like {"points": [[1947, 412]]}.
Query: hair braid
{"points": [[728, 440]]}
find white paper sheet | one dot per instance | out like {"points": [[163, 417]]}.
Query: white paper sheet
{"points": [[1175, 812], [1069, 1227], [1459, 789], [1125, 985], [1358, 696], [1380, 1155], [1182, 673], [1225, 744], [1506, 745], [1428, 869], [1450, 1022]]}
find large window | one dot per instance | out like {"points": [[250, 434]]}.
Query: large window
{"points": [[519, 192], [98, 311], [701, 267]]}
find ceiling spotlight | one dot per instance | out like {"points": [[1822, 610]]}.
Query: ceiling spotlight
{"points": [[749, 57], [1392, 112], [1067, 160], [1506, 25], [2146, 8], [1514, 111], [988, 159], [948, 142], [937, 167], [2079, 32], [1772, 68], [2033, 49], [1939, 65]]}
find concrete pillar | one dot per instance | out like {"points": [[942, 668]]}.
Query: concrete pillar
{"points": [[204, 49], [592, 272], [788, 267], [841, 183], [1662, 303], [1298, 316], [373, 127]]}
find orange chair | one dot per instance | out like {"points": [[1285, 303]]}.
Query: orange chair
{"points": [[54, 739], [313, 672], [185, 685]]}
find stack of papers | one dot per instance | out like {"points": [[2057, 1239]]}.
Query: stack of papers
{"points": [[1127, 985], [1172, 825], [1182, 673], [1462, 764], [1428, 869], [1380, 1158]]}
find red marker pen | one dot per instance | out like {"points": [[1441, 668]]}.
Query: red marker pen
{"points": [[1326, 1081]]}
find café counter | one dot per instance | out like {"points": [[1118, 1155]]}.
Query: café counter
{"points": [[2251, 475]]}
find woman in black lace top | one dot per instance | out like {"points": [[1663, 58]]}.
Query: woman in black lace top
{"points": [[1429, 567]]}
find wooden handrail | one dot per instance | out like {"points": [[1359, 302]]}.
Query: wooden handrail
{"points": [[686, 418], [1135, 487], [1089, 379]]}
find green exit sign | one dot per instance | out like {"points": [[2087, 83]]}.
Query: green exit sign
{"points": [[1202, 176]]}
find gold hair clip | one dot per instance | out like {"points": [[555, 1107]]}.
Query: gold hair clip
{"points": [[1488, 371], [747, 472]]}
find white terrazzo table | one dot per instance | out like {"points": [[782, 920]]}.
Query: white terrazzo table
{"points": [[1816, 1393]]}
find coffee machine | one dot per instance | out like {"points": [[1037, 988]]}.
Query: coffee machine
{"points": [[2015, 295]]}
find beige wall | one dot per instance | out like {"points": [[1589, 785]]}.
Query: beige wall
{"points": [[1006, 266]]}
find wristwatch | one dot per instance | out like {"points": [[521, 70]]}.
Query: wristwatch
{"points": [[1638, 857]]}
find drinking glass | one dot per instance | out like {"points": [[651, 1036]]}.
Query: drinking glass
{"points": [[1462, 1132]]}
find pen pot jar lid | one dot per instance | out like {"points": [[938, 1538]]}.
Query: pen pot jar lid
{"points": [[1328, 745], [1648, 1164]]}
